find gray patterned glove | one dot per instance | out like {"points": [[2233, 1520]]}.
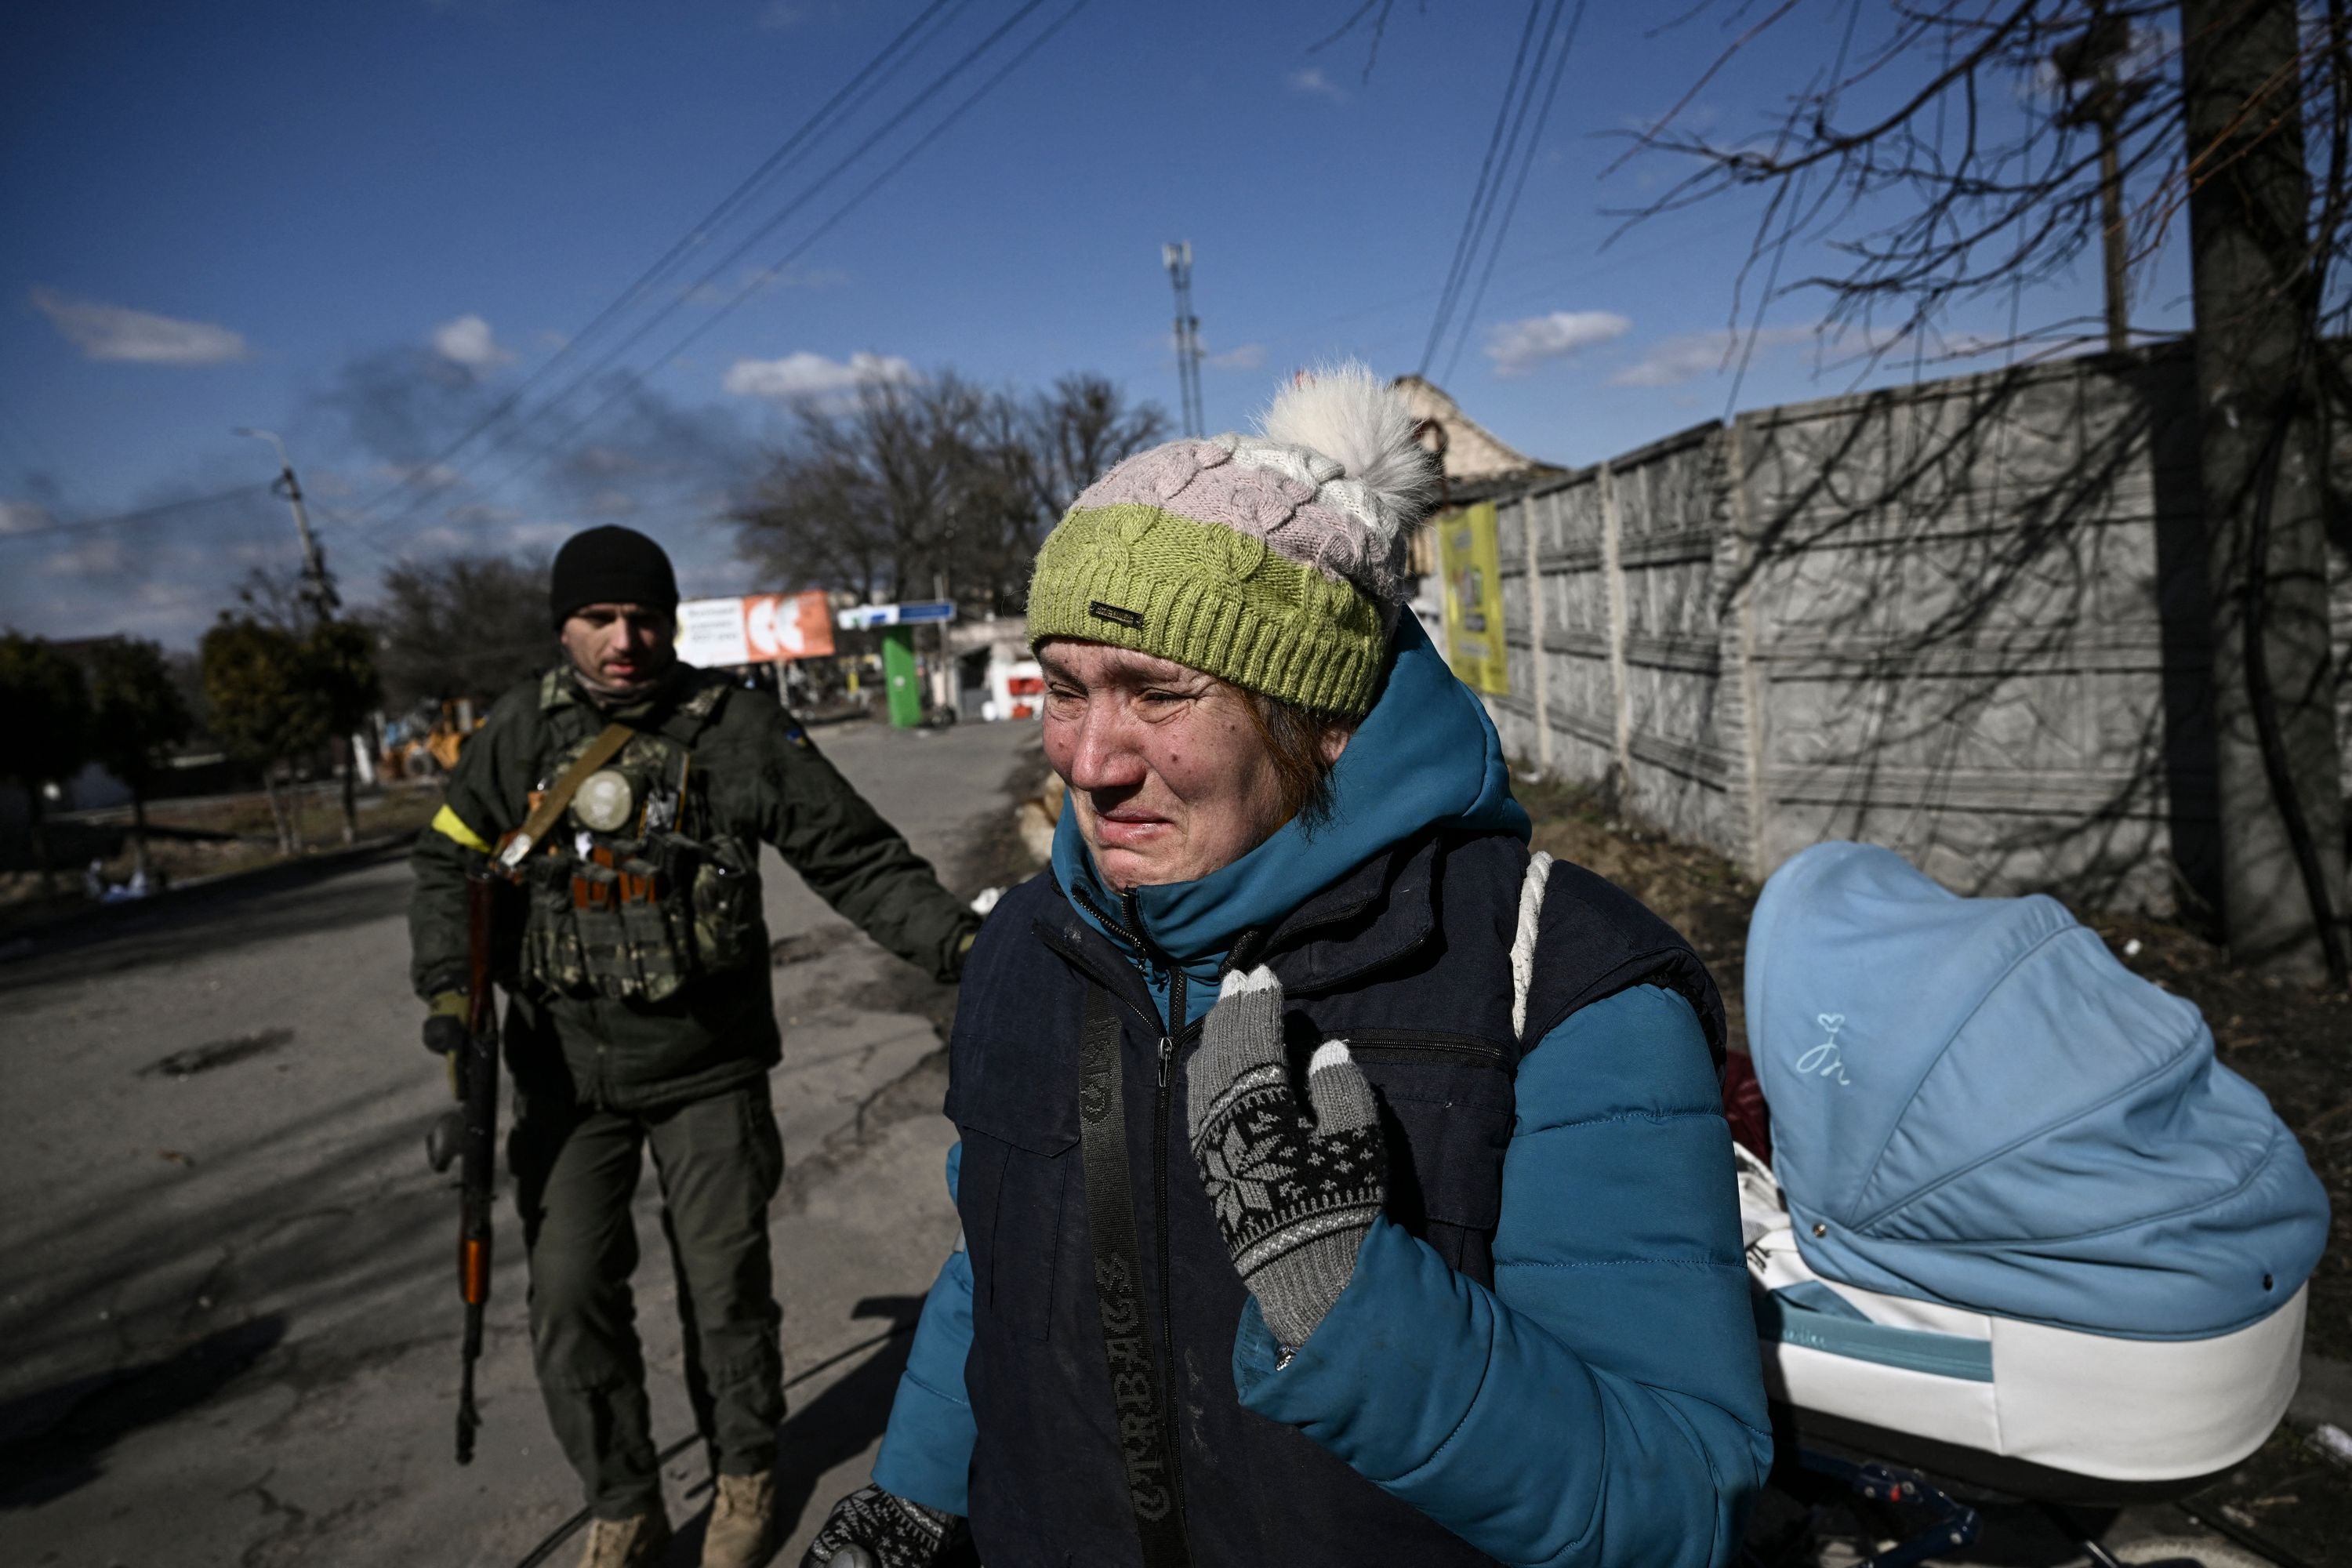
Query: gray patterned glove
{"points": [[874, 1529], [1294, 1196]]}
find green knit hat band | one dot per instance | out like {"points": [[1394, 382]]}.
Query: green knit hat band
{"points": [[1210, 598]]}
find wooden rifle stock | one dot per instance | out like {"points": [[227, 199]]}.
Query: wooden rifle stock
{"points": [[476, 1080]]}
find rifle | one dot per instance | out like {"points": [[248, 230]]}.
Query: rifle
{"points": [[473, 1127], [476, 1080], [468, 1135]]}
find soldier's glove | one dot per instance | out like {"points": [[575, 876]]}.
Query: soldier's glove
{"points": [[874, 1529], [1293, 1194], [445, 1025]]}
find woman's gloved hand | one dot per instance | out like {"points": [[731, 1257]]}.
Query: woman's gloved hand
{"points": [[874, 1529], [1293, 1194]]}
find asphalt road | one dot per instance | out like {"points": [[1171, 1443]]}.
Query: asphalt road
{"points": [[226, 1299], [226, 1273]]}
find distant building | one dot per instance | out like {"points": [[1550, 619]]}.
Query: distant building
{"points": [[1475, 461], [1477, 465]]}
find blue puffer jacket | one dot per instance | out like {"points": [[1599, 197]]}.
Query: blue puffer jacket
{"points": [[1602, 1403]]}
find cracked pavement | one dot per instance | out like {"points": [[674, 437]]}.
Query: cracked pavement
{"points": [[225, 1272]]}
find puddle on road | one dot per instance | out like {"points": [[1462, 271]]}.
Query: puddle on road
{"points": [[218, 1054]]}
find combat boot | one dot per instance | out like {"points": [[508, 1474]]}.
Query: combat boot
{"points": [[634, 1543], [740, 1515]]}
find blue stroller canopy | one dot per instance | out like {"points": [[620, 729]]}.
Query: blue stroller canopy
{"points": [[1973, 1103]]}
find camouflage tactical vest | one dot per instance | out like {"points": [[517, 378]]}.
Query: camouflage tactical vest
{"points": [[633, 894]]}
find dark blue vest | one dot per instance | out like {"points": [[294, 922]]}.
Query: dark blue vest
{"points": [[1408, 959]]}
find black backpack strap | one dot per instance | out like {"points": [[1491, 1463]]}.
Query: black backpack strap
{"points": [[1139, 1403]]}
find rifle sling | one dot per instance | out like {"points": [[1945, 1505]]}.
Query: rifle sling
{"points": [[551, 805], [1139, 1403]]}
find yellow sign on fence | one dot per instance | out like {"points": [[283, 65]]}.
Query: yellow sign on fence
{"points": [[1472, 563]]}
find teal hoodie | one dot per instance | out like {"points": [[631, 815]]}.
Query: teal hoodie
{"points": [[1602, 1405]]}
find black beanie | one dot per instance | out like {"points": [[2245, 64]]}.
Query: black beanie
{"points": [[610, 565]]}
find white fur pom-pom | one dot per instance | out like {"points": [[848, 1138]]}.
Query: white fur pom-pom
{"points": [[1350, 415]]}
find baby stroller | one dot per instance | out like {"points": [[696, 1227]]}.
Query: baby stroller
{"points": [[2016, 1229]]}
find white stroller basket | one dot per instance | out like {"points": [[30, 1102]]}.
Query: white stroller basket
{"points": [[2089, 1409], [2019, 1228]]}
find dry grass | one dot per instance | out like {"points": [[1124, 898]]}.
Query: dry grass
{"points": [[232, 833]]}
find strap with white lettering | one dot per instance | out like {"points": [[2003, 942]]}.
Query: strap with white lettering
{"points": [[1138, 1402]]}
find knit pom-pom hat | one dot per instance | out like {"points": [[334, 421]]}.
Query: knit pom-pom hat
{"points": [[1276, 561]]}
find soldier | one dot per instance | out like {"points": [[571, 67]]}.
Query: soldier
{"points": [[642, 1015]]}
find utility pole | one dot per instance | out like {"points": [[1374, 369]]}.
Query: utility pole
{"points": [[1179, 259], [319, 593], [2253, 287], [2088, 63], [318, 588]]}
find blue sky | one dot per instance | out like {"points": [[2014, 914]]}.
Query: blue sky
{"points": [[361, 224]]}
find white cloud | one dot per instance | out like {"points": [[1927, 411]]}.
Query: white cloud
{"points": [[806, 374], [1670, 362], [781, 15], [140, 337], [1244, 357], [427, 475], [795, 278], [23, 517], [605, 461], [538, 535], [468, 341], [1517, 347], [439, 540], [1315, 84], [760, 280], [91, 558]]}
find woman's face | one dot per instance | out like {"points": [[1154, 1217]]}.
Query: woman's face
{"points": [[1168, 772]]}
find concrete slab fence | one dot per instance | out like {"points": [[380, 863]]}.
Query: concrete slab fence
{"points": [[1966, 619]]}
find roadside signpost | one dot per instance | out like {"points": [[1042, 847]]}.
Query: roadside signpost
{"points": [[921, 613], [897, 623]]}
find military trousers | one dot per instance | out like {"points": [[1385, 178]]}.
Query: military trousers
{"points": [[576, 1169]]}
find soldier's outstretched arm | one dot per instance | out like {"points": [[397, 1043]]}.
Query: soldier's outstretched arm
{"points": [[855, 860]]}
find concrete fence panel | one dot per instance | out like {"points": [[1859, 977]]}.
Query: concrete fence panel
{"points": [[1966, 619]]}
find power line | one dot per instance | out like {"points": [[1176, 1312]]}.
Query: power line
{"points": [[1607, 262], [811, 131], [1458, 266], [630, 380], [1527, 162], [143, 514]]}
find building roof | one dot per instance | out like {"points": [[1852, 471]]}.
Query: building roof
{"points": [[1475, 460]]}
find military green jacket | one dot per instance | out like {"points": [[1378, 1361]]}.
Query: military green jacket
{"points": [[761, 779]]}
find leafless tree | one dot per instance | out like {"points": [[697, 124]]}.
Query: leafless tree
{"points": [[914, 486], [1956, 154], [1078, 429], [1949, 150], [465, 627]]}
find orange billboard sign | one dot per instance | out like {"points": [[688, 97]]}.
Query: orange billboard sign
{"points": [[755, 628]]}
